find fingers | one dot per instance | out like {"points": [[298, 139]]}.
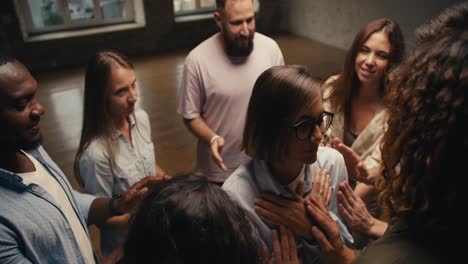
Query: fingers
{"points": [[348, 192], [268, 198], [284, 247], [292, 246], [325, 245], [276, 245], [284, 243], [300, 189], [216, 148]]}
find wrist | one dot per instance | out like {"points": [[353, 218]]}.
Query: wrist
{"points": [[112, 205], [213, 138]]}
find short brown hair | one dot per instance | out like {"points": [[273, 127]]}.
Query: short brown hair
{"points": [[280, 96]]}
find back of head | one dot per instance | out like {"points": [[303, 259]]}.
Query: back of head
{"points": [[451, 20], [427, 132], [186, 219], [280, 96]]}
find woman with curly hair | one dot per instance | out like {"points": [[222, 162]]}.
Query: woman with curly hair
{"points": [[420, 158]]}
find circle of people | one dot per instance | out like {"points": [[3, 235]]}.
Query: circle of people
{"points": [[289, 169]]}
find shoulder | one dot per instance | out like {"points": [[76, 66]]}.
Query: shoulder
{"points": [[265, 41], [240, 180], [96, 151], [142, 117], [326, 154], [202, 49], [328, 85]]}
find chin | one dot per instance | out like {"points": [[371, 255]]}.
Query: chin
{"points": [[310, 160], [30, 143]]}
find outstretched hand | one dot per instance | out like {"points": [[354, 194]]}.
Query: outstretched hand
{"points": [[216, 147], [356, 215], [284, 250], [327, 233], [137, 192], [357, 171], [277, 210], [321, 186]]}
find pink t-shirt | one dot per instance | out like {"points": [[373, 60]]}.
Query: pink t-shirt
{"points": [[218, 88]]}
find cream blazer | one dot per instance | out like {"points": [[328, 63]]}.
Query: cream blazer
{"points": [[367, 144]]}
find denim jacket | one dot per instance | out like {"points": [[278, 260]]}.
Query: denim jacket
{"points": [[33, 229]]}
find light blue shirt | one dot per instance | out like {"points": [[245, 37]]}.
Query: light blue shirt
{"points": [[133, 162], [254, 177], [33, 228]]}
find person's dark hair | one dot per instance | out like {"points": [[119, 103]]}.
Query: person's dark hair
{"points": [[187, 219], [280, 96], [423, 151], [450, 20], [5, 58], [97, 122], [347, 84]]}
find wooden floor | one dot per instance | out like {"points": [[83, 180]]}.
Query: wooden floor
{"points": [[61, 93]]}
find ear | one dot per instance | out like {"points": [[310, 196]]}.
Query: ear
{"points": [[218, 17]]}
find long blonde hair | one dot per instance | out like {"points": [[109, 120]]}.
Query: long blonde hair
{"points": [[97, 122]]}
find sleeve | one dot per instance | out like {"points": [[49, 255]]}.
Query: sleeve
{"points": [[96, 173], [84, 202], [191, 95], [279, 56], [10, 251]]}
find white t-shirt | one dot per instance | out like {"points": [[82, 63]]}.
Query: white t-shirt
{"points": [[218, 88], [46, 181]]}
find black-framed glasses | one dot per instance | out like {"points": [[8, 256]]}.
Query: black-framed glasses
{"points": [[305, 128]]}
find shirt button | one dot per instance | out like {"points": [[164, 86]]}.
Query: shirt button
{"points": [[34, 188]]}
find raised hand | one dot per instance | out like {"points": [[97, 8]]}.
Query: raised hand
{"points": [[321, 186], [327, 233], [284, 250], [356, 215], [216, 145], [357, 171]]}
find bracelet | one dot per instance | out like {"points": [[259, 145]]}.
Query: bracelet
{"points": [[111, 205], [213, 139]]}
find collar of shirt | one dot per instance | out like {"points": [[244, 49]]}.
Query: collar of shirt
{"points": [[267, 183], [118, 133]]}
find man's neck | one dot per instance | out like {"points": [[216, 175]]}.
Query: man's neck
{"points": [[15, 161]]}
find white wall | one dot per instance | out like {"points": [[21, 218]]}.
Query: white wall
{"points": [[336, 22]]}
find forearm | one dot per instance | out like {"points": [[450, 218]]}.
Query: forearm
{"points": [[200, 129], [377, 229], [119, 222], [99, 211]]}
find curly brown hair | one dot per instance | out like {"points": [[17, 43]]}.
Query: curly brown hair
{"points": [[427, 132]]}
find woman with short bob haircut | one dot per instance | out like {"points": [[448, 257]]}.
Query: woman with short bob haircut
{"points": [[187, 219], [284, 127]]}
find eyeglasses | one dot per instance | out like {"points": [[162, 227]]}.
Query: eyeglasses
{"points": [[305, 128]]}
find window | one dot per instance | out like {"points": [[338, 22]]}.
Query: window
{"points": [[39, 17], [192, 7]]}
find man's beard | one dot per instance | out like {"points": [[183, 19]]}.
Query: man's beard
{"points": [[234, 50]]}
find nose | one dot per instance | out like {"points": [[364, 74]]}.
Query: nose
{"points": [[133, 96], [37, 110], [244, 29], [316, 135], [370, 60]]}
